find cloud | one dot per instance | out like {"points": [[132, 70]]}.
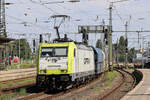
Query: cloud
{"points": [[85, 11]]}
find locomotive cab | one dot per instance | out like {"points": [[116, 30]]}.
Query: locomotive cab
{"points": [[54, 65], [53, 58]]}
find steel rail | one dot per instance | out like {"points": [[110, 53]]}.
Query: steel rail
{"points": [[120, 84], [18, 79], [51, 96]]}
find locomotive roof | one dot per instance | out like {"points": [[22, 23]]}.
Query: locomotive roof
{"points": [[82, 46], [79, 45]]}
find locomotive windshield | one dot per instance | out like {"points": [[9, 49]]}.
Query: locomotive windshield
{"points": [[54, 51]]}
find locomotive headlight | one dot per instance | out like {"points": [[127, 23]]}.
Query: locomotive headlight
{"points": [[64, 70], [43, 71]]}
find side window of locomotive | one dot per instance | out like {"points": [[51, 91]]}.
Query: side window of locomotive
{"points": [[61, 52], [74, 52]]}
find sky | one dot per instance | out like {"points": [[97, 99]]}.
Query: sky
{"points": [[33, 17]]}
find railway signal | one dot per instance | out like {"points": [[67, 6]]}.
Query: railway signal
{"points": [[102, 29], [126, 50], [41, 38], [34, 43], [85, 29], [84, 36], [34, 46], [126, 45], [106, 36]]}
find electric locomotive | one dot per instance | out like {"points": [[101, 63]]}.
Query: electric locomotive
{"points": [[63, 64]]}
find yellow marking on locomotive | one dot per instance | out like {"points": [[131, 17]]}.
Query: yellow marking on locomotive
{"points": [[71, 46]]}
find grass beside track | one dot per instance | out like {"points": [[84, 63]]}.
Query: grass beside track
{"points": [[9, 96], [130, 70], [109, 77], [25, 65], [16, 92], [16, 66], [11, 83]]}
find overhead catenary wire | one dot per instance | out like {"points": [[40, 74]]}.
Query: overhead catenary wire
{"points": [[27, 22], [46, 6], [54, 12], [117, 13]]}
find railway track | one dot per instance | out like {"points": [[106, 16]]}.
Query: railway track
{"points": [[8, 88], [48, 95], [125, 77], [18, 79], [6, 76], [9, 79], [41, 96]]}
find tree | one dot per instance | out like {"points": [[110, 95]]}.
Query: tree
{"points": [[122, 49], [25, 50], [131, 53], [99, 44], [115, 53]]}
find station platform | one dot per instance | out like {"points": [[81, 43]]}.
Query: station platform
{"points": [[142, 90]]}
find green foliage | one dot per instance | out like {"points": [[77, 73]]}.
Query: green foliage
{"points": [[11, 83], [75, 98], [99, 44], [110, 75], [95, 88], [16, 93], [115, 51], [121, 58], [120, 50], [131, 53], [22, 91], [107, 83], [2, 66], [2, 85], [7, 96], [126, 84], [24, 65], [25, 50]]}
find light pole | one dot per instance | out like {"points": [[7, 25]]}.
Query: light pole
{"points": [[126, 44], [19, 54], [110, 36], [19, 49], [110, 32]]}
